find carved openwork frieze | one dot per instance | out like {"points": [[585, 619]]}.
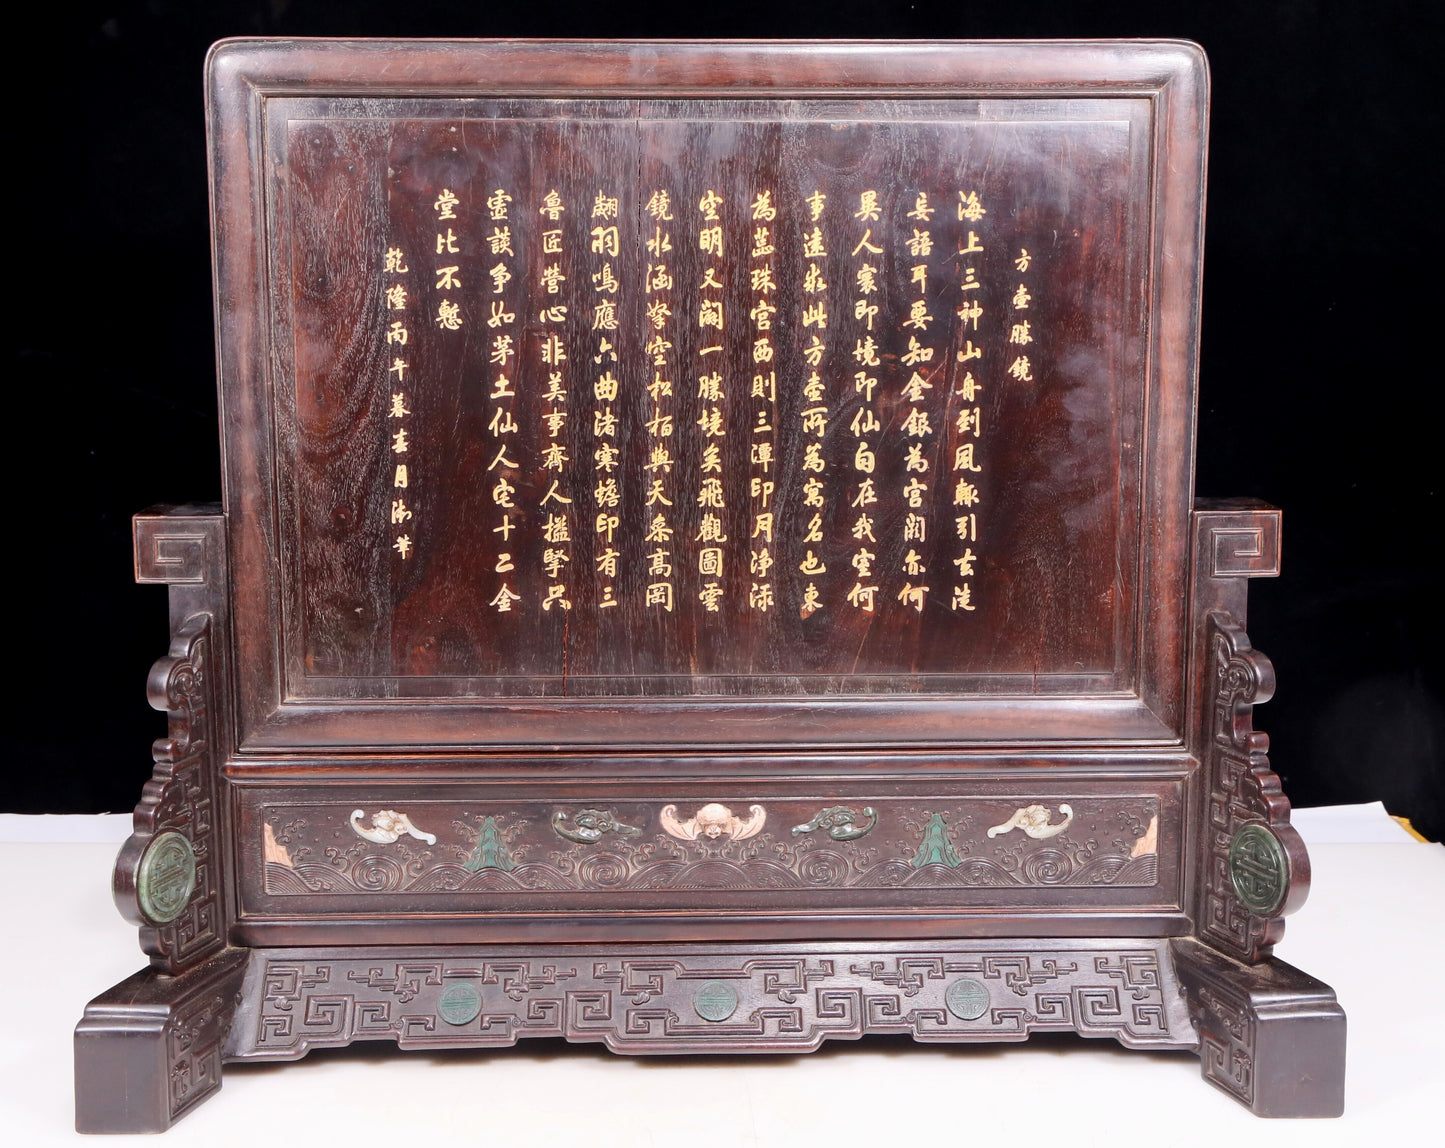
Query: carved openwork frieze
{"points": [[700, 1000], [1005, 843]]}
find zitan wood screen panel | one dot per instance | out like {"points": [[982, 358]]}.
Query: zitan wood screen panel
{"points": [[1031, 595]]}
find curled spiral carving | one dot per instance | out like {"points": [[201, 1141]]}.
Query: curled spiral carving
{"points": [[978, 871], [377, 874], [1047, 867], [176, 686], [183, 683], [604, 870], [824, 867]]}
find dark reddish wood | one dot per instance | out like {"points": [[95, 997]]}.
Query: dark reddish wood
{"points": [[777, 884], [149, 1049], [186, 548], [850, 823], [1234, 541], [1269, 1035]]}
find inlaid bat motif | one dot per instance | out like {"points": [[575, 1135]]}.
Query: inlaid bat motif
{"points": [[712, 821], [1034, 820], [386, 826]]}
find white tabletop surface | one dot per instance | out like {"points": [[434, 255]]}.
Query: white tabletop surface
{"points": [[1374, 928]]}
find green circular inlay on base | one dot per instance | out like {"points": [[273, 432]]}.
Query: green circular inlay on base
{"points": [[165, 877], [460, 1003], [967, 998], [1258, 868], [716, 1000]]}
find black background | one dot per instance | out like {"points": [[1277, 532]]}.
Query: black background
{"points": [[1321, 362]]}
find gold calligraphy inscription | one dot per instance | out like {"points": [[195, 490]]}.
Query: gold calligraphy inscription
{"points": [[967, 429], [502, 425], [889, 519], [712, 497], [919, 360], [814, 413], [864, 273], [395, 336], [763, 401], [605, 246], [659, 286], [449, 312], [555, 506]]}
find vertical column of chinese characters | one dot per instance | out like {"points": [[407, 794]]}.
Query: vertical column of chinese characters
{"points": [[606, 495], [764, 393], [552, 316], [501, 354], [865, 424], [659, 288], [968, 424], [449, 312], [712, 421], [814, 411], [393, 265], [917, 428]]}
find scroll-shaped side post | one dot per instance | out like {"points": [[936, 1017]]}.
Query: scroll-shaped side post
{"points": [[1255, 868], [1271, 1036], [166, 877], [150, 1048]]}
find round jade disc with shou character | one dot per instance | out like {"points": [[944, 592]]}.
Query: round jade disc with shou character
{"points": [[1258, 868], [166, 877]]}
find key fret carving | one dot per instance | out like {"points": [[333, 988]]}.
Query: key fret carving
{"points": [[636, 1003]]}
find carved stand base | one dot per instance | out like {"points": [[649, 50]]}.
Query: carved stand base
{"points": [[1269, 1035], [149, 1049]]}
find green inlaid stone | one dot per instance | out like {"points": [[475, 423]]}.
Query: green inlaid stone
{"points": [[716, 1000], [491, 850], [1258, 868], [460, 1003], [166, 877], [967, 998], [935, 848]]}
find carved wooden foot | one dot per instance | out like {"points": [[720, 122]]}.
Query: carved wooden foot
{"points": [[149, 1049], [1269, 1035]]}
